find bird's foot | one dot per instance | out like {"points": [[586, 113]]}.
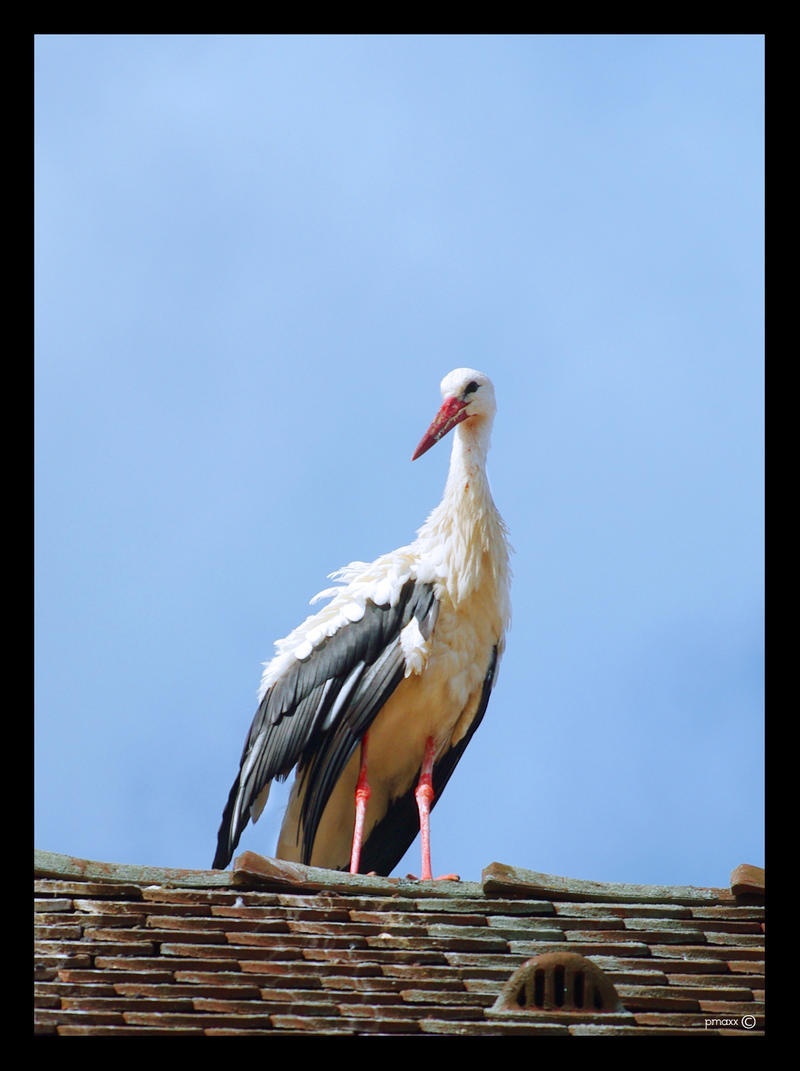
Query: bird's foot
{"points": [[441, 877]]}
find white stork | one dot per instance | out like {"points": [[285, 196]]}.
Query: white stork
{"points": [[375, 698]]}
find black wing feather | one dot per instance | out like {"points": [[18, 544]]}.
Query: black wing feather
{"points": [[327, 764], [290, 727], [375, 684]]}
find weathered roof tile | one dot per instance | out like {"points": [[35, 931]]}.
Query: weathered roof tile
{"points": [[275, 948]]}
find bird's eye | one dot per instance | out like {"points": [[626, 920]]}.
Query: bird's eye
{"points": [[470, 388]]}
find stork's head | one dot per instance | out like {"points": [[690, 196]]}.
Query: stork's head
{"points": [[467, 395]]}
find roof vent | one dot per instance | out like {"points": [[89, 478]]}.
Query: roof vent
{"points": [[558, 981]]}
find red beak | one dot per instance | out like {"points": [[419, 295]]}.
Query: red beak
{"points": [[452, 412]]}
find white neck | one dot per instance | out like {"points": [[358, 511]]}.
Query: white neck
{"points": [[465, 534], [468, 460]]}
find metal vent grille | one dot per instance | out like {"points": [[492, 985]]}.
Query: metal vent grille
{"points": [[559, 981]]}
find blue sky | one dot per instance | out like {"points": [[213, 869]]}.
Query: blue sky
{"points": [[255, 258]]}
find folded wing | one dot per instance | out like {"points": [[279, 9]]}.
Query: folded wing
{"points": [[315, 714]]}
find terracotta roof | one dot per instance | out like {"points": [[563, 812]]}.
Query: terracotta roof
{"points": [[278, 948]]}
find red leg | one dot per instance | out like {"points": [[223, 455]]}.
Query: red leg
{"points": [[424, 795], [363, 793]]}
